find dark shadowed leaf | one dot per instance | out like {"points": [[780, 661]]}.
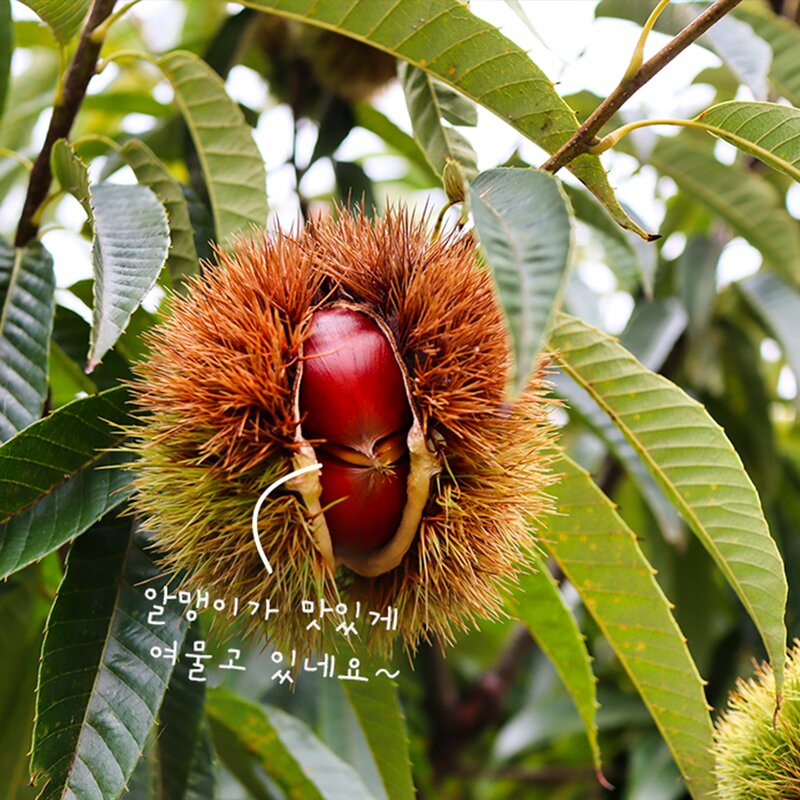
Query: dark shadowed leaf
{"points": [[55, 479], [101, 680], [27, 305]]}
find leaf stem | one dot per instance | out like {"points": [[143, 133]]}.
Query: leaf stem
{"points": [[97, 137], [100, 32], [586, 136], [638, 52], [65, 109], [18, 157]]}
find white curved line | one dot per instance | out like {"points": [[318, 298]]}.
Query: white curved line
{"points": [[260, 502]]}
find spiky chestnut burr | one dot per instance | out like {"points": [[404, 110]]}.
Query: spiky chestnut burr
{"points": [[757, 751], [383, 355]]}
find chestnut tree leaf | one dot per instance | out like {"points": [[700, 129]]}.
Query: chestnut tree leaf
{"points": [[693, 462], [232, 165], [250, 738], [100, 684], [539, 604], [130, 247], [376, 706], [27, 306], [150, 171], [444, 38], [183, 740], [768, 131], [524, 222], [601, 558], [747, 202], [431, 104], [63, 17], [57, 478], [778, 305]]}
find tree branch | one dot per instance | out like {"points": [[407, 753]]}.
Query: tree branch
{"points": [[585, 135], [65, 109]]}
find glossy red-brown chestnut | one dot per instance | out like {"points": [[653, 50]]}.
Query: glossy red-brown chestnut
{"points": [[355, 411]]}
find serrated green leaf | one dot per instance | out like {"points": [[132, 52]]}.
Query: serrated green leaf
{"points": [[539, 604], [695, 465], [768, 131], [778, 305], [376, 706], [56, 479], [182, 260], [600, 556], [751, 206], [430, 104], [63, 17], [130, 246], [27, 305], [6, 49], [458, 48], [181, 727], [129, 249], [523, 221], [100, 686], [248, 736], [232, 165]]}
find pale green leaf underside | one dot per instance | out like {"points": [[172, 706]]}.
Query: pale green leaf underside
{"points": [[600, 556], [747, 202], [150, 171], [768, 131], [430, 103], [778, 305], [27, 306], [131, 242], [100, 687], [247, 735], [232, 165], [693, 462], [445, 39], [64, 17], [71, 172], [376, 706], [539, 604], [523, 221]]}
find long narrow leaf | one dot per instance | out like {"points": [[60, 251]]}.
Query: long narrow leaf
{"points": [[377, 709], [695, 465], [600, 556], [150, 171], [100, 683], [248, 737], [446, 40], [232, 165], [523, 221], [539, 604], [430, 104], [64, 17]]}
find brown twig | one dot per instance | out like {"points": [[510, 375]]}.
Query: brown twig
{"points": [[585, 135], [66, 108]]}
